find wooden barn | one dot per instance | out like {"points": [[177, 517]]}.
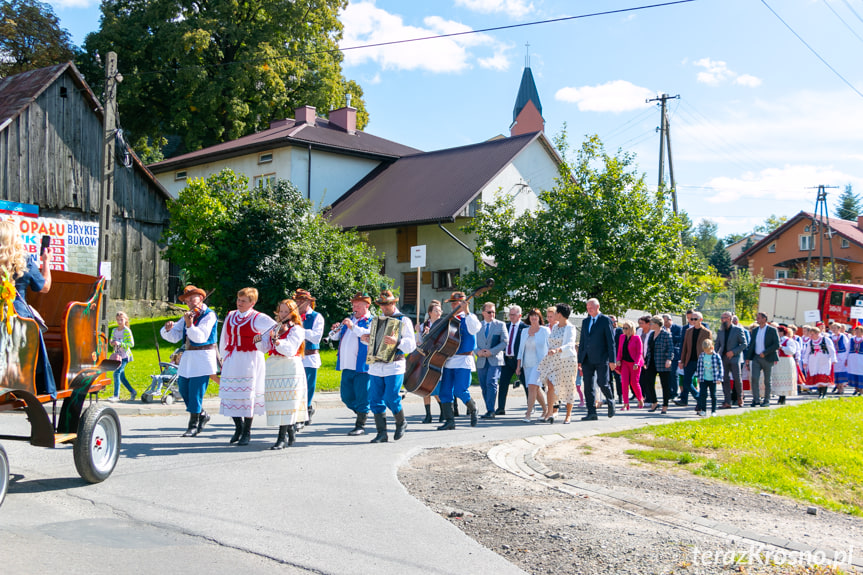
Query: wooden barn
{"points": [[51, 134]]}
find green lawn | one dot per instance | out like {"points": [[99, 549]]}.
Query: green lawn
{"points": [[146, 362], [811, 452]]}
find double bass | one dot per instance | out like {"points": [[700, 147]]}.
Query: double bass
{"points": [[425, 364]]}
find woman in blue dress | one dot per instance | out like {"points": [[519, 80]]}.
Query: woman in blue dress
{"points": [[25, 272]]}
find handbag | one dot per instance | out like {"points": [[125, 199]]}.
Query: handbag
{"points": [[115, 357]]}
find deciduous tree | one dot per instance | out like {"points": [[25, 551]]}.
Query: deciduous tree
{"points": [[599, 233], [227, 236], [213, 71], [31, 37]]}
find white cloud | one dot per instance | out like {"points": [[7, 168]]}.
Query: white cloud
{"points": [[787, 183], [513, 8], [364, 23], [615, 96], [748, 81]]}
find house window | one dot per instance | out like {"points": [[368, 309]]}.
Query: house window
{"points": [[180, 175], [444, 279], [806, 229], [781, 274], [264, 180], [843, 243], [806, 243], [772, 248], [265, 158], [406, 238]]}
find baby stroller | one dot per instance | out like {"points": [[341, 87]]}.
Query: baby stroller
{"points": [[164, 385]]}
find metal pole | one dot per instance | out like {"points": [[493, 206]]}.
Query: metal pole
{"points": [[670, 163], [107, 191], [662, 143]]}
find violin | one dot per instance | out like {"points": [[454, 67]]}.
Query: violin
{"points": [[424, 366]]}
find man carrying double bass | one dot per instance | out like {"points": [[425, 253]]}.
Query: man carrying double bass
{"points": [[386, 377], [455, 380]]}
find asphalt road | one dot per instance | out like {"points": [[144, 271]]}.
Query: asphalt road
{"points": [[330, 504]]}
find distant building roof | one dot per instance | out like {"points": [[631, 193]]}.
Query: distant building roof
{"points": [[735, 249], [322, 134], [526, 92], [427, 188]]}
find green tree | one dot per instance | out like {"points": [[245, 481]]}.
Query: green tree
{"points": [[849, 205], [598, 233], [214, 71], [227, 236], [721, 260], [746, 289], [705, 238], [770, 224], [31, 37]]}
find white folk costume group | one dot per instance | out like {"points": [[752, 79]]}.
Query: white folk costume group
{"points": [[269, 366]]}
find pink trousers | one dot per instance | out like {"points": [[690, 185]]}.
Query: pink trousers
{"points": [[629, 373]]}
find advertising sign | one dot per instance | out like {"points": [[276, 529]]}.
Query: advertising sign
{"points": [[74, 244]]}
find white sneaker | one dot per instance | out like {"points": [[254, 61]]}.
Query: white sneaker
{"points": [[113, 399]]}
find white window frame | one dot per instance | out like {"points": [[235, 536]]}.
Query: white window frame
{"points": [[771, 248], [844, 243], [259, 181], [181, 175], [265, 158], [805, 243], [781, 274]]}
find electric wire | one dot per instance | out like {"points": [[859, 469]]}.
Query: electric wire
{"points": [[841, 19], [811, 49], [853, 11]]}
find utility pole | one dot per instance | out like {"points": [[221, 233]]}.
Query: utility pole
{"points": [[103, 262], [665, 143], [819, 220]]}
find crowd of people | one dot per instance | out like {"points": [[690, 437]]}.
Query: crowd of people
{"points": [[268, 365]]}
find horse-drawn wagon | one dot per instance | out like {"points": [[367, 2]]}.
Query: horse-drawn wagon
{"points": [[76, 351]]}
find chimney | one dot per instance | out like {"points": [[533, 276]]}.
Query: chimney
{"points": [[345, 118], [305, 115], [860, 222]]}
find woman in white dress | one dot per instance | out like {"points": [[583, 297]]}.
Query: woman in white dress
{"points": [[784, 380], [241, 388], [285, 387], [532, 349], [559, 368], [819, 361]]}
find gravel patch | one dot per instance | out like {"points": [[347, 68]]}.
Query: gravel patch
{"points": [[544, 530]]}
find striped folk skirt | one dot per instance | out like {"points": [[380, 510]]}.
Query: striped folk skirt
{"points": [[285, 390]]}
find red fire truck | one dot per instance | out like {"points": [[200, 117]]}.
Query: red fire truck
{"points": [[788, 300]]}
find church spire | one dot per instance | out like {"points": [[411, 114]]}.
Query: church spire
{"points": [[527, 103]]}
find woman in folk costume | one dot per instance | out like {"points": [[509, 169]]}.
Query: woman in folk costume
{"points": [[841, 343], [855, 361], [241, 389], [784, 380], [285, 382], [819, 361]]}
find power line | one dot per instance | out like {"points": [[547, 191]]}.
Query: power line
{"points": [[438, 36], [853, 11], [811, 49], [841, 19]]}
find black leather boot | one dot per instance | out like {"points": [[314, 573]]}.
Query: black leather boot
{"points": [[359, 426], [471, 409], [401, 425], [238, 429], [192, 431], [311, 414], [455, 412], [203, 420], [292, 435], [440, 418], [246, 437], [381, 426], [449, 417], [280, 440], [428, 418]]}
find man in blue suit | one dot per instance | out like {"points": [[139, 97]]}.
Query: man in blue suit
{"points": [[514, 327], [596, 357], [761, 355], [491, 341], [730, 343]]}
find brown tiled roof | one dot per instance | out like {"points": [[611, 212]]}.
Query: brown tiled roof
{"points": [[426, 188], [323, 135], [19, 91], [844, 228]]}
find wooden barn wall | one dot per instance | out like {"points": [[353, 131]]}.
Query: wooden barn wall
{"points": [[50, 156]]}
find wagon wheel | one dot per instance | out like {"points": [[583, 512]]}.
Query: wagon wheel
{"points": [[4, 474], [97, 446]]}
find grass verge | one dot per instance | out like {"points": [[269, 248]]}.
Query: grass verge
{"points": [[811, 452]]}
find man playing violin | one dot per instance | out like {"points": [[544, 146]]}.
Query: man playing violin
{"points": [[351, 359], [199, 332], [455, 380]]}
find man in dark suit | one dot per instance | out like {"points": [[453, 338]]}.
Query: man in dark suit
{"points": [[596, 357], [514, 328], [730, 342], [761, 356], [618, 385]]}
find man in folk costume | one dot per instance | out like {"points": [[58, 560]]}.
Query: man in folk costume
{"points": [[386, 377], [313, 323], [455, 379], [242, 385], [351, 359], [198, 330]]}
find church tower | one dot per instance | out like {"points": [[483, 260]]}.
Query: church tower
{"points": [[527, 112]]}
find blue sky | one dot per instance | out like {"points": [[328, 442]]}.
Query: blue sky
{"points": [[760, 119]]}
